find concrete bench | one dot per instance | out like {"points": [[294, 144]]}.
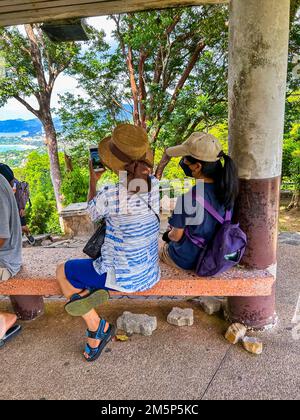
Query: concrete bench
{"points": [[37, 278]]}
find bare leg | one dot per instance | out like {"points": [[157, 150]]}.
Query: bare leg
{"points": [[6, 322], [67, 289], [91, 319]]}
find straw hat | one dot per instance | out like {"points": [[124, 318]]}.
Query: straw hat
{"points": [[201, 146], [127, 143]]}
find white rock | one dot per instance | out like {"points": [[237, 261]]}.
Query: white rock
{"points": [[181, 317], [211, 305], [137, 323]]}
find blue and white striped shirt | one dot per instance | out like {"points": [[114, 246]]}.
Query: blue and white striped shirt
{"points": [[130, 251]]}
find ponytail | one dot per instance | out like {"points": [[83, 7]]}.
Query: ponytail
{"points": [[228, 183], [225, 178]]}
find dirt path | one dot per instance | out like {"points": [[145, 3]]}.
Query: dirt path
{"points": [[289, 220]]}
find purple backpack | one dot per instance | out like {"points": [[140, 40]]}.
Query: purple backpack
{"points": [[226, 248], [22, 194]]}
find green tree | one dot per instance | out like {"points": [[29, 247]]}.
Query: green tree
{"points": [[42, 214], [167, 73], [33, 64]]}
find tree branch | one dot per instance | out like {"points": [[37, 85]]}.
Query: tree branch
{"points": [[200, 47], [8, 41], [36, 58], [142, 89], [28, 106]]}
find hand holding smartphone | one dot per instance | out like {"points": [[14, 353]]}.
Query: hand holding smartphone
{"points": [[95, 159]]}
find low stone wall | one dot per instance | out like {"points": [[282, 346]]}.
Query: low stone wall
{"points": [[76, 221]]}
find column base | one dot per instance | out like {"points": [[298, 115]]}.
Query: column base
{"points": [[28, 308], [257, 313]]}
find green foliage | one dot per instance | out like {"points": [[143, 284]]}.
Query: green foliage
{"points": [[42, 215], [159, 45], [75, 185], [21, 73], [295, 168], [289, 148], [291, 156], [176, 95]]}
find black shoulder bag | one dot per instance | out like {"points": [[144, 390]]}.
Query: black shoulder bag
{"points": [[93, 248]]}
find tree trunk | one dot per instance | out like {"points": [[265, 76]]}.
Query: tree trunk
{"points": [[295, 203], [68, 163], [51, 141]]}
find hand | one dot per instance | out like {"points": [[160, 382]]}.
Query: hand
{"points": [[95, 176], [25, 230], [166, 237], [22, 213]]}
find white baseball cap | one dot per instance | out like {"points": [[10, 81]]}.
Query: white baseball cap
{"points": [[201, 146]]}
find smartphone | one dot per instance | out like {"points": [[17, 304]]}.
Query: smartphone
{"points": [[95, 158]]}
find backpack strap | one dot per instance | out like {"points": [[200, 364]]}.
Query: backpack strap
{"points": [[228, 216], [212, 211], [200, 242]]}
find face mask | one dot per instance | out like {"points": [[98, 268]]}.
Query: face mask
{"points": [[186, 169]]}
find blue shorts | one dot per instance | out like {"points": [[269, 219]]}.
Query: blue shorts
{"points": [[81, 274]]}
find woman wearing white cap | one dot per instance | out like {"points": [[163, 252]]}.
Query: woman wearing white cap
{"points": [[202, 157]]}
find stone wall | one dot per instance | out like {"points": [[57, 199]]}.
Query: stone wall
{"points": [[76, 221]]}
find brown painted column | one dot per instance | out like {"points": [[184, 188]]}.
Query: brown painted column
{"points": [[258, 56]]}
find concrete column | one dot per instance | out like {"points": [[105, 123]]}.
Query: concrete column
{"points": [[258, 55]]}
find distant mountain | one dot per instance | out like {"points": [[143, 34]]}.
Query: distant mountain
{"points": [[31, 127]]}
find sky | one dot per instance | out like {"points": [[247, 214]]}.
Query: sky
{"points": [[64, 84]]}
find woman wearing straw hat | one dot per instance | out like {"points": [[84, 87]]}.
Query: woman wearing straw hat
{"points": [[129, 259]]}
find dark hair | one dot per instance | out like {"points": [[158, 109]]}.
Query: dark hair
{"points": [[225, 178], [6, 172]]}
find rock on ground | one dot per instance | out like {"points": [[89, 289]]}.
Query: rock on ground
{"points": [[235, 333], [211, 305], [253, 345], [181, 317], [137, 323]]}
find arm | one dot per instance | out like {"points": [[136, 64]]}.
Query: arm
{"points": [[162, 165], [4, 218], [177, 221], [176, 234], [97, 201], [94, 178]]}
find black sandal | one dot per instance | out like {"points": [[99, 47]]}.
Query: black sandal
{"points": [[100, 334], [11, 333], [81, 305]]}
